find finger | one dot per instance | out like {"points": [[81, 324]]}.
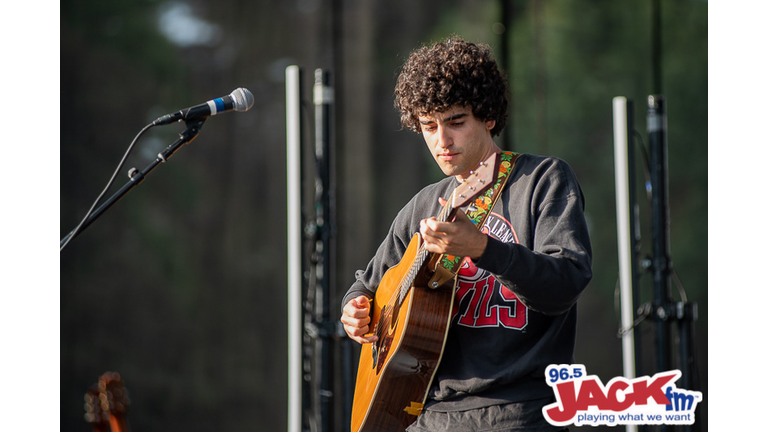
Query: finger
{"points": [[425, 230], [462, 218], [362, 302], [355, 330], [364, 339], [358, 334], [355, 321], [367, 339], [433, 228], [358, 307]]}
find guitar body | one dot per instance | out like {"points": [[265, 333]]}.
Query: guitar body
{"points": [[396, 372]]}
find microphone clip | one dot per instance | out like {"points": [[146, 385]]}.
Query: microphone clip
{"points": [[185, 137]]}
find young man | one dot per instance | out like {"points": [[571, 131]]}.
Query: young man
{"points": [[515, 307]]}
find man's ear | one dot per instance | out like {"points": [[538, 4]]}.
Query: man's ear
{"points": [[490, 124]]}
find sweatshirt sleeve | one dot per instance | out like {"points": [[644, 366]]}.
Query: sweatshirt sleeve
{"points": [[548, 273]]}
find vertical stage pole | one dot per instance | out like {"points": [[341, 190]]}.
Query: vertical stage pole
{"points": [[622, 120], [295, 271], [323, 97], [657, 138]]}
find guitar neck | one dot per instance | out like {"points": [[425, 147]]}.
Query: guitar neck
{"points": [[423, 255], [118, 424]]}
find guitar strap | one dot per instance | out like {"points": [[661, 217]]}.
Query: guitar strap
{"points": [[448, 265]]}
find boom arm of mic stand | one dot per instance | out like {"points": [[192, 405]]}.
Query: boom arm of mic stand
{"points": [[136, 177]]}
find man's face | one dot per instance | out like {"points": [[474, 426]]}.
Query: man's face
{"points": [[457, 140]]}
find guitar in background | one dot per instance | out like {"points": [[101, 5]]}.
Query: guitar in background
{"points": [[106, 404]]}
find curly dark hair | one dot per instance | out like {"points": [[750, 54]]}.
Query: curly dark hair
{"points": [[454, 72]]}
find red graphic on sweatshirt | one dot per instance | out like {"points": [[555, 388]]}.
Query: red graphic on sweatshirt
{"points": [[481, 300]]}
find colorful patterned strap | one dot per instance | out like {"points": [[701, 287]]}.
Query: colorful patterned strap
{"points": [[481, 208]]}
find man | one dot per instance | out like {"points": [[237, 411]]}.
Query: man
{"points": [[515, 307]]}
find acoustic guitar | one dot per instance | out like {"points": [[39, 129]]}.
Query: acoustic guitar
{"points": [[106, 404], [410, 314]]}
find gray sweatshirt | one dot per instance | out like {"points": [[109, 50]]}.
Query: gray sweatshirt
{"points": [[515, 308]]}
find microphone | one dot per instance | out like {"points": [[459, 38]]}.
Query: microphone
{"points": [[239, 100]]}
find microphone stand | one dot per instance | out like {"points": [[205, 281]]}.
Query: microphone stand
{"points": [[136, 177]]}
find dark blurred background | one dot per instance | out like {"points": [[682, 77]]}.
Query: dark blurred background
{"points": [[181, 286]]}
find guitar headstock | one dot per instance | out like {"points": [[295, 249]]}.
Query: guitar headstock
{"points": [[106, 404], [94, 413], [480, 179], [113, 390]]}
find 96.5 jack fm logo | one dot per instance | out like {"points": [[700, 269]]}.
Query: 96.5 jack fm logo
{"points": [[583, 399]]}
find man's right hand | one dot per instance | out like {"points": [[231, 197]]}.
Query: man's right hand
{"points": [[356, 316]]}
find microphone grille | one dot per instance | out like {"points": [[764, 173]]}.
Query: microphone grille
{"points": [[242, 99]]}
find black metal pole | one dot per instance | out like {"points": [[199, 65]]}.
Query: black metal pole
{"points": [[686, 317], [665, 310], [660, 264], [660, 227], [323, 97]]}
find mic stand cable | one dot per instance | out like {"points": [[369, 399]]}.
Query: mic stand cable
{"points": [[136, 177]]}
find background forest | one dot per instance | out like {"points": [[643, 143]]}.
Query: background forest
{"points": [[181, 287]]}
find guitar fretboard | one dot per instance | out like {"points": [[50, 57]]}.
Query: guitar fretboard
{"points": [[421, 258]]}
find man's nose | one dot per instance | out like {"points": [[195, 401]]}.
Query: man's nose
{"points": [[444, 138]]}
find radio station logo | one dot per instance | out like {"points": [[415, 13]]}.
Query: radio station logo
{"points": [[583, 399]]}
